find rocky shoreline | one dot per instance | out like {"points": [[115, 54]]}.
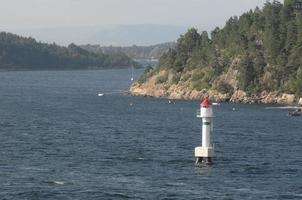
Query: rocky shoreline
{"points": [[176, 92]]}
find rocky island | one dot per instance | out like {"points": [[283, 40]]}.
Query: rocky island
{"points": [[254, 58]]}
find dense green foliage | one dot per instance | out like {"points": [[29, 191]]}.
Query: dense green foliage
{"points": [[26, 53], [145, 75], [267, 43], [135, 52], [224, 88]]}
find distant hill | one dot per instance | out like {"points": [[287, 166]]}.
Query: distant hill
{"points": [[18, 52], [134, 52], [116, 35]]}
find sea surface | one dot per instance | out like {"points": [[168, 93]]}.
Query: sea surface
{"points": [[59, 140]]}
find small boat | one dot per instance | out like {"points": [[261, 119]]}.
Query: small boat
{"points": [[101, 94], [295, 113]]}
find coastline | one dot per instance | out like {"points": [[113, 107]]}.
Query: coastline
{"points": [[150, 89], [18, 69]]}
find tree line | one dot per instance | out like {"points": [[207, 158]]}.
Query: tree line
{"points": [[18, 52]]}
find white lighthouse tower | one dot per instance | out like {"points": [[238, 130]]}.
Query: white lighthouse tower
{"points": [[205, 153]]}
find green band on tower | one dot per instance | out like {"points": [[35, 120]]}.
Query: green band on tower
{"points": [[206, 123]]}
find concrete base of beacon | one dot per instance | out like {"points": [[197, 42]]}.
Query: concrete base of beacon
{"points": [[204, 155]]}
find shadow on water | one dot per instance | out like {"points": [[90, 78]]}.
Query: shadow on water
{"points": [[203, 170]]}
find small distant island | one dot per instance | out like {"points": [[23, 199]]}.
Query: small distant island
{"points": [[22, 53], [254, 58]]}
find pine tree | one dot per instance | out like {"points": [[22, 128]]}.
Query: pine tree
{"points": [[247, 72]]}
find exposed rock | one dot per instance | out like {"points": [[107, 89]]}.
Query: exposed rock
{"points": [[300, 102], [269, 97], [182, 91], [238, 96], [286, 99], [194, 94], [230, 76]]}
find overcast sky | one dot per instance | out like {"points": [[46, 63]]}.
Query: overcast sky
{"points": [[16, 14]]}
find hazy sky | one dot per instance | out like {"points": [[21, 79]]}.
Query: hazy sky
{"points": [[16, 14]]}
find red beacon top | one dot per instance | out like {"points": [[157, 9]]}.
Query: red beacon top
{"points": [[205, 102]]}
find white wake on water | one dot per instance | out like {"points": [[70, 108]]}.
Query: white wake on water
{"points": [[59, 182], [283, 107], [114, 92]]}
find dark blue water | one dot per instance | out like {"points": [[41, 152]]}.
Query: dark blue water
{"points": [[59, 140]]}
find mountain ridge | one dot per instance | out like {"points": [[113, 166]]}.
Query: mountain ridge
{"points": [[106, 35], [134, 51]]}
